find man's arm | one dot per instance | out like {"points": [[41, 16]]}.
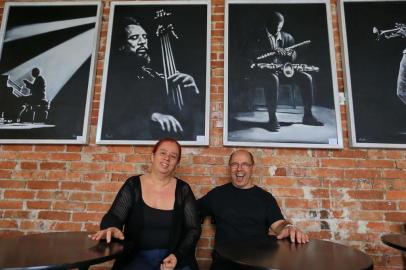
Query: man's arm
{"points": [[283, 229], [203, 205]]}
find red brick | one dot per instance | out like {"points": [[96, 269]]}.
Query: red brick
{"points": [[65, 226], [9, 224], [396, 195], [341, 163], [76, 186], [65, 156], [106, 157], [54, 215], [366, 194], [38, 204], [386, 205], [96, 176], [69, 206], [113, 186], [17, 148], [11, 204], [15, 184], [85, 196], [18, 194], [25, 165], [120, 167], [96, 217], [8, 164], [395, 216], [86, 166], [50, 148], [64, 176], [52, 166], [16, 214], [43, 185], [287, 192]]}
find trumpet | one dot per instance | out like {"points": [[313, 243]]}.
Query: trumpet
{"points": [[398, 31]]}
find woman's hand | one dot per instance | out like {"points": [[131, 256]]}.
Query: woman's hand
{"points": [[107, 234], [169, 263]]}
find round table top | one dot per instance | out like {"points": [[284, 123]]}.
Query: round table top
{"points": [[395, 240], [57, 250], [270, 253]]}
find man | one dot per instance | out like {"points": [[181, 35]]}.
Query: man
{"points": [[37, 100], [136, 103], [401, 83], [273, 40], [242, 210]]}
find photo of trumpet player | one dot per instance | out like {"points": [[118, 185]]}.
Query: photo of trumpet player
{"points": [[281, 78], [375, 48], [155, 75]]}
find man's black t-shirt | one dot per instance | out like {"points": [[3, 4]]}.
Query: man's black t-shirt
{"points": [[240, 213]]}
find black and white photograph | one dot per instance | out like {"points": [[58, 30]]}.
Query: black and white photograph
{"points": [[47, 66], [280, 77], [374, 48], [156, 74]]}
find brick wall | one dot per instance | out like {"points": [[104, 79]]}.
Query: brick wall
{"points": [[351, 196]]}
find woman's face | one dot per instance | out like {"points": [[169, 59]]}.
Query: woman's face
{"points": [[166, 157]]}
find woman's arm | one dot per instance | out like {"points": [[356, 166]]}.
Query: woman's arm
{"points": [[192, 225], [120, 209]]}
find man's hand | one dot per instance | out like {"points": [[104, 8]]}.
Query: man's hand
{"points": [[402, 31], [169, 263], [107, 234], [281, 51], [167, 122], [295, 235], [184, 80], [283, 229]]}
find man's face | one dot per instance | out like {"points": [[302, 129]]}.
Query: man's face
{"points": [[137, 41], [241, 168], [275, 26]]}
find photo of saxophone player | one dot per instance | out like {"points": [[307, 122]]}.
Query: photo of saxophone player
{"points": [[277, 47]]}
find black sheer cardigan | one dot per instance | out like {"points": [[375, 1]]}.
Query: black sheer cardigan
{"points": [[126, 214]]}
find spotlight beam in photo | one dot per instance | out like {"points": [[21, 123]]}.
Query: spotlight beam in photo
{"points": [[58, 64]]}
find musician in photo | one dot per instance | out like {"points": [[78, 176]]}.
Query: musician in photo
{"points": [[398, 31], [37, 99], [401, 83], [274, 46], [141, 102]]}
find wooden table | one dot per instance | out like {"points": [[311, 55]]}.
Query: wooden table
{"points": [[57, 250], [271, 253], [395, 240]]}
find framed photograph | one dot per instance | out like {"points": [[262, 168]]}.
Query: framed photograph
{"points": [[374, 51], [156, 73], [280, 76], [47, 67]]}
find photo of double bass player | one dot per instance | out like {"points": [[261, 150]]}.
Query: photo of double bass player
{"points": [[155, 76]]}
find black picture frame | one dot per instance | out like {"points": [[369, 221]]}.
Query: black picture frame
{"points": [[137, 92], [47, 71], [248, 96]]}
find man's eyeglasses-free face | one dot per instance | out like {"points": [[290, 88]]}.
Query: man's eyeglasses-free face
{"points": [[244, 165]]}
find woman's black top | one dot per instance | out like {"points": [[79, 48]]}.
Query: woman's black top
{"points": [[157, 228], [126, 213]]}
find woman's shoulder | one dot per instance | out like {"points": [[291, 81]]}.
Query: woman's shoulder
{"points": [[133, 181], [181, 183]]}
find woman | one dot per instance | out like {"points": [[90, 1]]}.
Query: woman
{"points": [[156, 214]]}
